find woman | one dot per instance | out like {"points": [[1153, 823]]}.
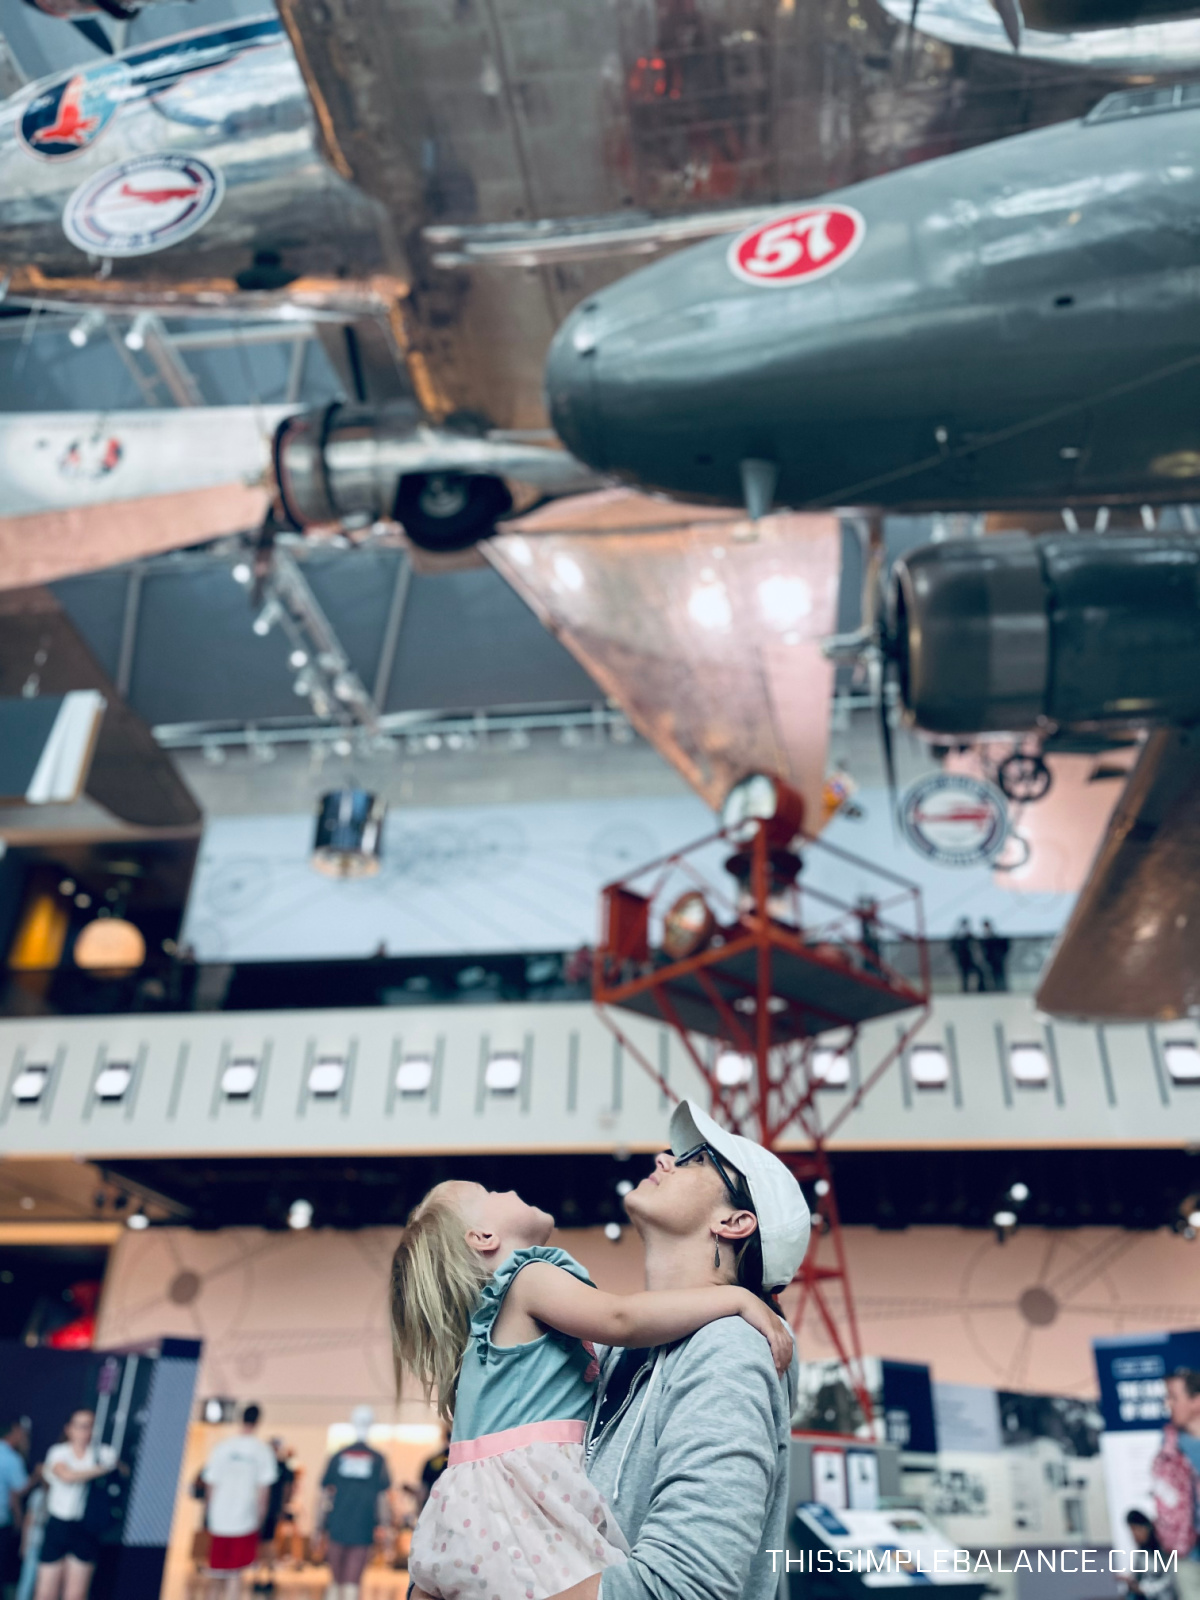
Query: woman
{"points": [[69, 1549]]}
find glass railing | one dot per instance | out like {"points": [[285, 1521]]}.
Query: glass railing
{"points": [[475, 979]]}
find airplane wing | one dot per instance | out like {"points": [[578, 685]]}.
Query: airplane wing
{"points": [[1130, 950], [709, 640]]}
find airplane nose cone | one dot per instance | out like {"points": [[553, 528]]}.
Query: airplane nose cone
{"points": [[571, 397]]}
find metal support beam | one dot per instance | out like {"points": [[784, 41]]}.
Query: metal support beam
{"points": [[129, 626], [147, 386], [391, 632], [170, 365], [306, 624], [295, 377]]}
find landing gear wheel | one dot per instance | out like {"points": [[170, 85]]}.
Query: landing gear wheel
{"points": [[447, 511], [1024, 778]]}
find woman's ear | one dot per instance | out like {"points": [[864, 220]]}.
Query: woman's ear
{"points": [[735, 1225]]}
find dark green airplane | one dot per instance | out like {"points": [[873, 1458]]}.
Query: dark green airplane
{"points": [[1014, 326]]}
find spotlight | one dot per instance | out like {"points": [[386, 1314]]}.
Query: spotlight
{"points": [[1194, 1219], [612, 1230], [624, 1187], [242, 573], [83, 330], [1004, 1220], [821, 1187], [342, 747], [688, 926], [138, 1221], [1019, 1193], [266, 618], [733, 1070], [300, 1214], [298, 659], [135, 335]]}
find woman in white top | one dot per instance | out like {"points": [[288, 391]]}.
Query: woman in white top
{"points": [[69, 1549]]}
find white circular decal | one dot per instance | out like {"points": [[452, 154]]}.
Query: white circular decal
{"points": [[137, 207], [955, 820], [796, 248]]}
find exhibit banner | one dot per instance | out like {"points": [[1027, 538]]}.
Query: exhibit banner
{"points": [[1012, 1469], [1151, 1455]]}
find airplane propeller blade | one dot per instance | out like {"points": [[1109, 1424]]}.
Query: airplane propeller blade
{"points": [[93, 33], [1013, 18]]}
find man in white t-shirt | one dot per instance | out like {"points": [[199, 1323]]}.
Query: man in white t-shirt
{"points": [[238, 1476]]}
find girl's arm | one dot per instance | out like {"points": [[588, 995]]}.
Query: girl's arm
{"points": [[551, 1296]]}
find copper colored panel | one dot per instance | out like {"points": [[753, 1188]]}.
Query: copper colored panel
{"points": [[1130, 950], [46, 545], [703, 627]]}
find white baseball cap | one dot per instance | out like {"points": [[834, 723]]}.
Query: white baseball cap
{"points": [[784, 1223]]}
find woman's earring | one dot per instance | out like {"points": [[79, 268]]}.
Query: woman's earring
{"points": [[717, 1251]]}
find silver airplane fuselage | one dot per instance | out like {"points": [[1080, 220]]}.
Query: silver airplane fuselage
{"points": [[184, 172], [1015, 325]]}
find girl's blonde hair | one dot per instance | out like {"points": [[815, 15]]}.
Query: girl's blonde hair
{"points": [[436, 1279]]}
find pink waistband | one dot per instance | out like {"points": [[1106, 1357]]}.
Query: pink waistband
{"points": [[564, 1431]]}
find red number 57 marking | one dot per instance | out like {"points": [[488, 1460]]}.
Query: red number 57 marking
{"points": [[807, 244]]}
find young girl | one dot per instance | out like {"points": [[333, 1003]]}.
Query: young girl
{"points": [[500, 1324]]}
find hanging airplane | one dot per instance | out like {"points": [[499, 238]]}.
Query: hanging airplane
{"points": [[1107, 37], [1013, 326], [451, 188]]}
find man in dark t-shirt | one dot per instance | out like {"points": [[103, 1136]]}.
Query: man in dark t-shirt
{"points": [[435, 1466], [353, 1482]]}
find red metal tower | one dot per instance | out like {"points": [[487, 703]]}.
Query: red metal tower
{"points": [[767, 978]]}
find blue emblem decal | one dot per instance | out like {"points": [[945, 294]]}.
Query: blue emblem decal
{"points": [[70, 114]]}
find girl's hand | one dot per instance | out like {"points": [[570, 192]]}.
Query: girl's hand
{"points": [[773, 1329]]}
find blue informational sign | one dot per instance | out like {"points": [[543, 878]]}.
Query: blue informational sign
{"points": [[1133, 1372], [908, 1407]]}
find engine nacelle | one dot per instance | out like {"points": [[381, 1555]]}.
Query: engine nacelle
{"points": [[356, 464], [1010, 632]]}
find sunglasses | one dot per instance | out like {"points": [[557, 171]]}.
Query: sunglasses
{"points": [[734, 1185]]}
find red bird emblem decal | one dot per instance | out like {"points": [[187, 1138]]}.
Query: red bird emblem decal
{"points": [[156, 197], [70, 126]]}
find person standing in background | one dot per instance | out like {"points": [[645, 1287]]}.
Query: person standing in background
{"points": [[995, 949], [33, 1534], [14, 1480], [1175, 1473], [962, 948], [349, 1510], [238, 1478], [436, 1465], [69, 1547]]}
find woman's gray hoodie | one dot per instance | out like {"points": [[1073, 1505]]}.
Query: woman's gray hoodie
{"points": [[695, 1468]]}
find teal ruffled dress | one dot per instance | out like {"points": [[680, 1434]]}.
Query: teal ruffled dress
{"points": [[514, 1517]]}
